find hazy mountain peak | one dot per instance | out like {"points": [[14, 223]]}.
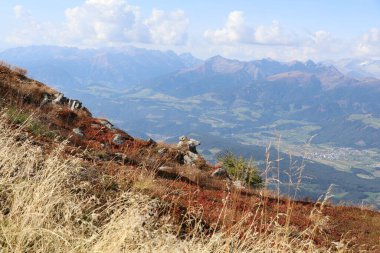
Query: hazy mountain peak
{"points": [[113, 67], [220, 64], [359, 67]]}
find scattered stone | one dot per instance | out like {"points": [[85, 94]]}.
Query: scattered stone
{"points": [[118, 139], [106, 123], [45, 100], [74, 104], [78, 131], [221, 173], [238, 184], [59, 99], [165, 169], [152, 142]]}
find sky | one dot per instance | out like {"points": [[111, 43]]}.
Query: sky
{"points": [[246, 30]]}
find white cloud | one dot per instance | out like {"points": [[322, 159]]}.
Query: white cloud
{"points": [[369, 44], [237, 39], [236, 30], [322, 44], [167, 28], [105, 23], [319, 45], [233, 31], [20, 12]]}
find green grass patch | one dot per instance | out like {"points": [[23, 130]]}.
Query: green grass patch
{"points": [[36, 127]]}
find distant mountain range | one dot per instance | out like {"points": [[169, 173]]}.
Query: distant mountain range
{"points": [[73, 68], [328, 113], [359, 68], [294, 91], [316, 93]]}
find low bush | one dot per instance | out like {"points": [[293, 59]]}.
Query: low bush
{"points": [[20, 71], [241, 169]]}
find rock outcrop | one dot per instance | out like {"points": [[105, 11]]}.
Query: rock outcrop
{"points": [[189, 146], [60, 99]]}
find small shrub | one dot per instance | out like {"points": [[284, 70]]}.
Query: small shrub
{"points": [[37, 128], [20, 117], [4, 64], [17, 116], [20, 71], [241, 169]]}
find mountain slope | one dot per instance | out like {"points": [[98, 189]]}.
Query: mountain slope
{"points": [[106, 169]]}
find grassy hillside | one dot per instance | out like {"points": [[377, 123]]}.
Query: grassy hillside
{"points": [[61, 191]]}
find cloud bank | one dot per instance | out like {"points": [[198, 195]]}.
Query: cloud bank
{"points": [[236, 30], [99, 23]]}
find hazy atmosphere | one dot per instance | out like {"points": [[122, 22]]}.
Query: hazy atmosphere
{"points": [[189, 126]]}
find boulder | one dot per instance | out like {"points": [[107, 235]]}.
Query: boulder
{"points": [[118, 139], [78, 132], [190, 147], [45, 100], [193, 145], [182, 141], [190, 144], [106, 123], [58, 99], [151, 142], [221, 173], [190, 158], [74, 104]]}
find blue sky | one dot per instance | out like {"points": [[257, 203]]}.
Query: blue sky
{"points": [[283, 30]]}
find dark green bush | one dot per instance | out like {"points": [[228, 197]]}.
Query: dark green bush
{"points": [[241, 169]]}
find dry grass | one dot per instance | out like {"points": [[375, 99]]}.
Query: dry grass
{"points": [[45, 207]]}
